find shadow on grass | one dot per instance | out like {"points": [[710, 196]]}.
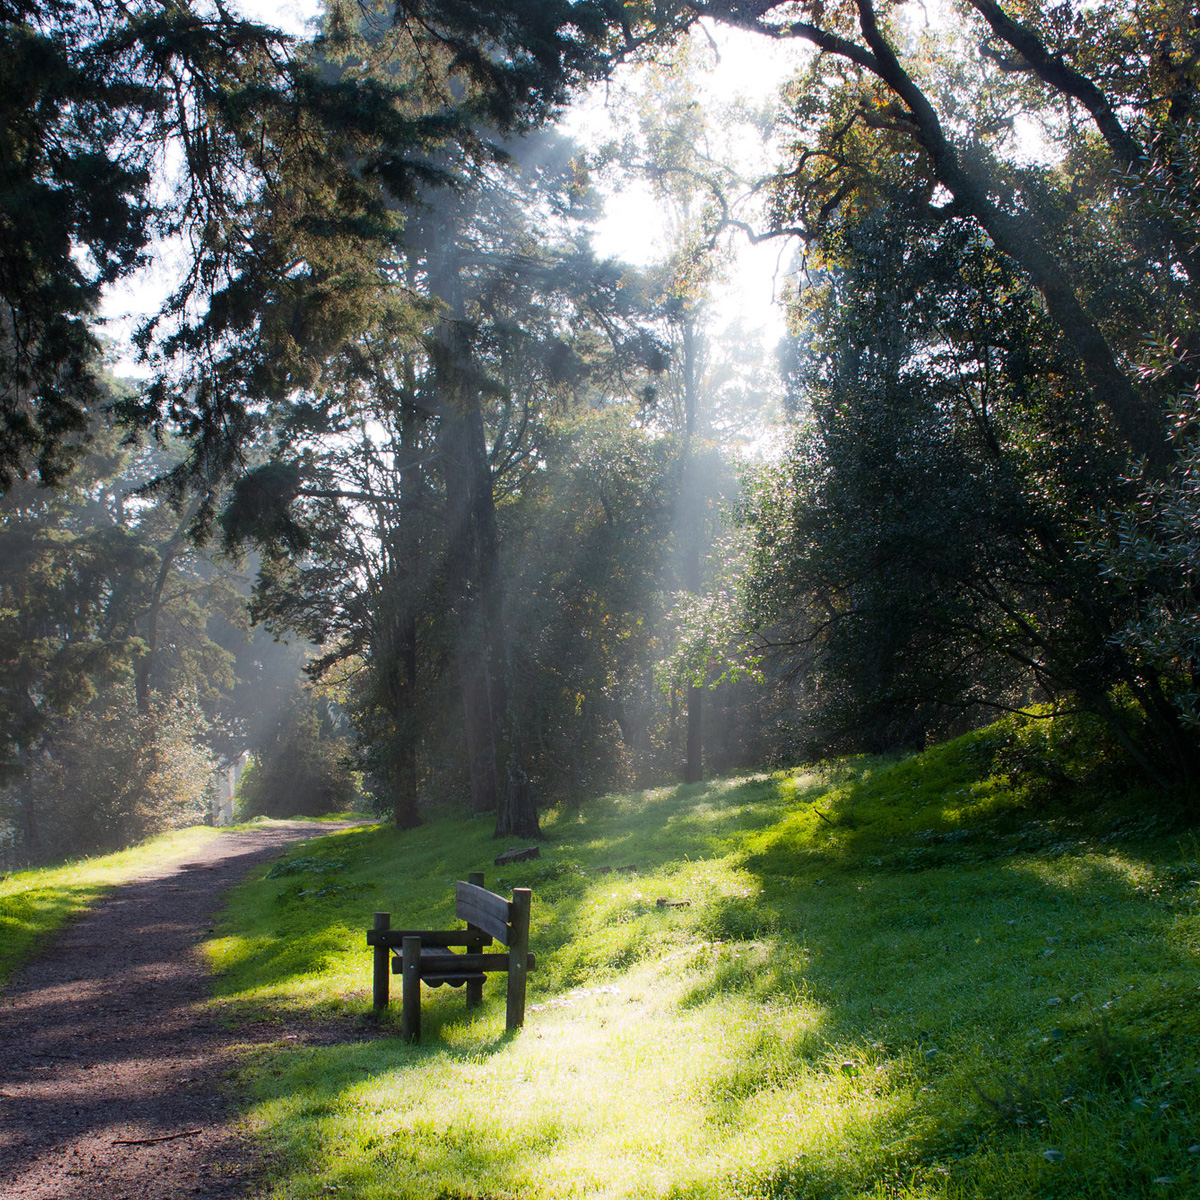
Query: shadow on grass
{"points": [[1009, 1000], [946, 807], [1003, 1017], [666, 825]]}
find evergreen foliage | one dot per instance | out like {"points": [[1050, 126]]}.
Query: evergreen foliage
{"points": [[955, 522], [126, 669], [483, 469]]}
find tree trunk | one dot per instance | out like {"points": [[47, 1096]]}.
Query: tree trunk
{"points": [[691, 532], [471, 648], [168, 552], [1140, 423], [405, 812], [406, 561], [473, 554], [1058, 74], [518, 815], [479, 731]]}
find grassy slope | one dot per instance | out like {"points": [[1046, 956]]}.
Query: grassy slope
{"points": [[903, 999]]}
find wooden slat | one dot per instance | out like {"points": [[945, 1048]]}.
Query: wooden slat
{"points": [[441, 963], [482, 900], [457, 964], [449, 964], [485, 918], [429, 937], [452, 980]]}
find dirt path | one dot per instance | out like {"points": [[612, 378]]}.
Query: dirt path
{"points": [[106, 1044]]}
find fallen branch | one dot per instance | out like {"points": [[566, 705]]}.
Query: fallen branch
{"points": [[166, 1137], [512, 856]]}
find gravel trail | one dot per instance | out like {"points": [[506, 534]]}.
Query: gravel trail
{"points": [[112, 1067]]}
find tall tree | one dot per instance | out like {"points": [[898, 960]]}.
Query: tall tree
{"points": [[284, 180], [933, 546], [106, 651], [522, 318], [869, 87], [686, 148], [1091, 261]]}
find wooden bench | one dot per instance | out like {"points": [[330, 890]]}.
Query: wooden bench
{"points": [[426, 955]]}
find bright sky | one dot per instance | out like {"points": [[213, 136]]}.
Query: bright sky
{"points": [[288, 15], [748, 67]]}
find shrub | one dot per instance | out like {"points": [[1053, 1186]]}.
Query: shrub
{"points": [[110, 778], [303, 767]]}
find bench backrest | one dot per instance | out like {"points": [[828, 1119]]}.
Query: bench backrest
{"points": [[485, 910]]}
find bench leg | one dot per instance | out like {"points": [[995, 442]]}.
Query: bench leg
{"points": [[410, 989], [383, 968], [474, 990], [518, 959]]}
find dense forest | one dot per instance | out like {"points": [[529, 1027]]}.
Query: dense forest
{"points": [[431, 507]]}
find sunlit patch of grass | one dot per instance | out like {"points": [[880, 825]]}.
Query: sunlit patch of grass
{"points": [[35, 903], [846, 1005]]}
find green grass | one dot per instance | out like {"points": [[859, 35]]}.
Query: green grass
{"points": [[896, 997], [35, 903]]}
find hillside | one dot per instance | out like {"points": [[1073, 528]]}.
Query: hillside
{"points": [[882, 979]]}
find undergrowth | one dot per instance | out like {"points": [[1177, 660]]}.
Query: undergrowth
{"points": [[868, 979]]}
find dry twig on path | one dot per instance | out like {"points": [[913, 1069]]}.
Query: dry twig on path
{"points": [[166, 1137]]}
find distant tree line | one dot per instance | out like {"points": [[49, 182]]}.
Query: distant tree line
{"points": [[393, 373], [129, 669]]}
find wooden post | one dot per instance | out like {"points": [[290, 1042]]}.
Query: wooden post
{"points": [[383, 968], [410, 989], [518, 959], [474, 989]]}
